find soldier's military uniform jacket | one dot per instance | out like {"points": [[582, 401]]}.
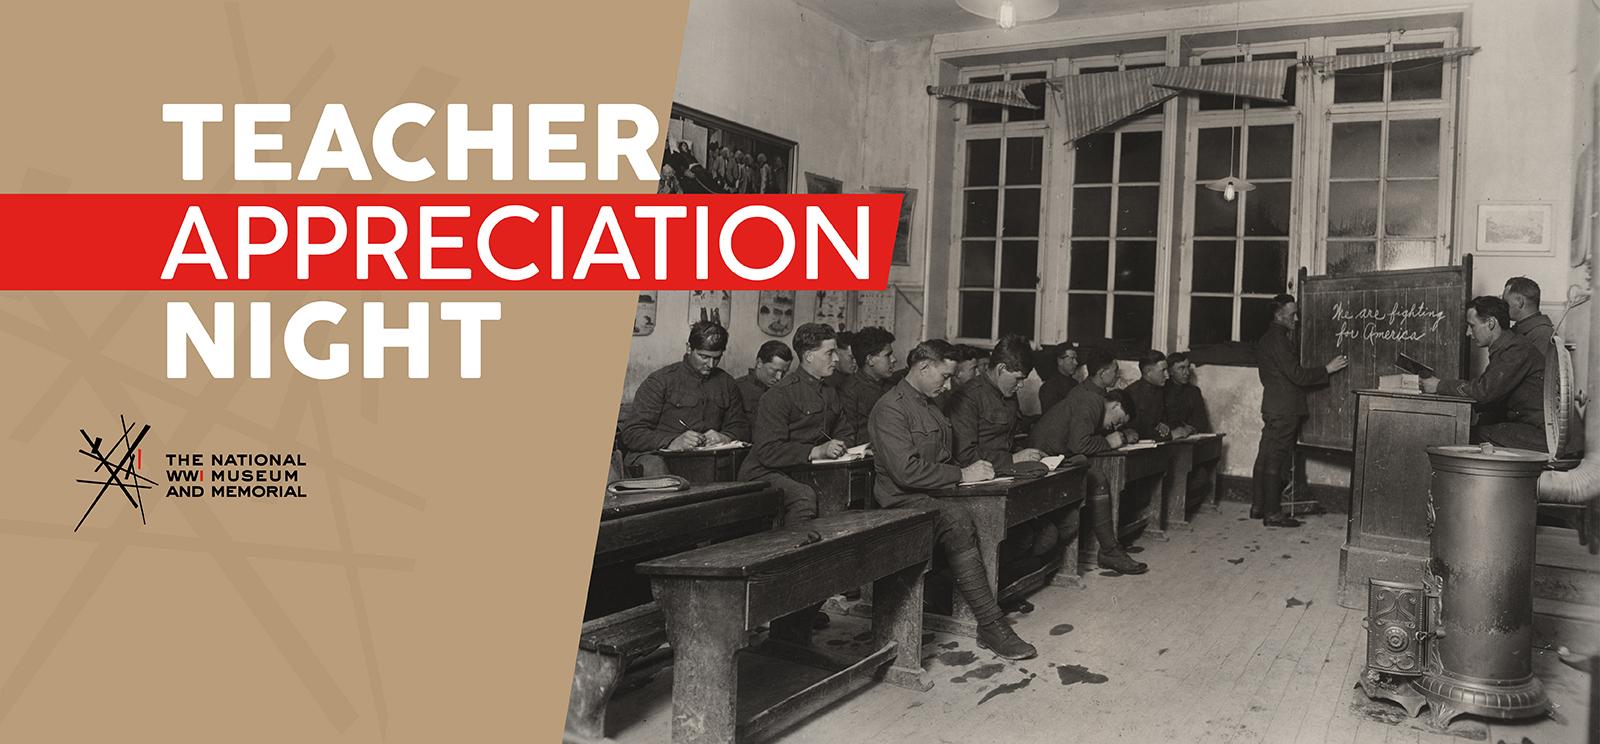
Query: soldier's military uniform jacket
{"points": [[860, 393], [675, 398], [1149, 407], [1511, 386], [1054, 390], [1283, 380], [1073, 427], [795, 415], [984, 421], [913, 445], [1537, 328], [1186, 407], [750, 390]]}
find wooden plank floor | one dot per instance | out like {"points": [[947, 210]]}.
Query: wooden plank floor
{"points": [[1235, 635]]}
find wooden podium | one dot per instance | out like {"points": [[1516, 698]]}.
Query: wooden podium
{"points": [[1387, 535]]}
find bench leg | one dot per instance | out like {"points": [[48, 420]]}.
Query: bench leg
{"points": [[594, 680], [897, 618], [705, 625], [1069, 523]]}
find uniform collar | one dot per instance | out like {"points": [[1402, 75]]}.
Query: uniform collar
{"points": [[1500, 344], [1531, 322]]}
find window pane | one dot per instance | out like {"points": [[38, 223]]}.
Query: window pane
{"points": [[1019, 265], [1414, 148], [1266, 267], [1132, 318], [1138, 206], [1091, 212], [1093, 160], [980, 213], [1210, 320], [1022, 212], [1213, 265], [977, 263], [1355, 149], [1272, 151], [1024, 160], [1418, 79], [1016, 313], [977, 311], [1255, 316], [1034, 94], [1093, 70], [1353, 210], [1086, 316], [1218, 103], [1141, 157], [1211, 160], [983, 162], [1266, 210], [1351, 257], [1411, 208], [1359, 83], [1214, 215], [1136, 265], [984, 113], [1407, 254], [1089, 265]]}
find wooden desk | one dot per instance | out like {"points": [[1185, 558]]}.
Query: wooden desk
{"points": [[715, 596], [997, 507], [1386, 536], [639, 526], [1137, 479], [711, 466], [1192, 478], [839, 485]]}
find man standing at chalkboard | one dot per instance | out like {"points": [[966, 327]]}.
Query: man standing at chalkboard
{"points": [[1283, 408]]}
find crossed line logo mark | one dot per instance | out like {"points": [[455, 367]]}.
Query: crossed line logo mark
{"points": [[124, 475]]}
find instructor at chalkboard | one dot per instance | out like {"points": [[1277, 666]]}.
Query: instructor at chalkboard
{"points": [[1283, 408]]}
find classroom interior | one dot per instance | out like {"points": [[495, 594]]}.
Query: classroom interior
{"points": [[1098, 216]]}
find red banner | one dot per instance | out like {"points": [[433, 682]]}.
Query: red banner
{"points": [[445, 242]]}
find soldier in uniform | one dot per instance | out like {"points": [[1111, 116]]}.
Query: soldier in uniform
{"points": [[1087, 423], [914, 446], [1055, 389], [873, 348], [844, 342], [685, 405], [1149, 397], [1283, 408], [799, 420], [1186, 409], [1509, 393], [1522, 299], [773, 360]]}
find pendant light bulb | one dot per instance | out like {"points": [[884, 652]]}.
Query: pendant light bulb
{"points": [[1007, 17], [1229, 194]]}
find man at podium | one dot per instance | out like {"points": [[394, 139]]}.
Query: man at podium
{"points": [[1509, 394]]}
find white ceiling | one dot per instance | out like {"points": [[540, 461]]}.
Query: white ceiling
{"points": [[876, 20]]}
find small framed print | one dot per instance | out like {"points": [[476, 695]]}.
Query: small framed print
{"points": [[1515, 229]]}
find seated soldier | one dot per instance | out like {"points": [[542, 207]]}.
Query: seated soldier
{"points": [[772, 363], [985, 418], [1186, 409], [799, 420], [1522, 302], [966, 358], [685, 405], [874, 352], [1149, 397], [914, 445], [1055, 389], [1509, 393], [1087, 423], [846, 366]]}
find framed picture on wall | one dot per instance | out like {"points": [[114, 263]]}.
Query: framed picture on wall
{"points": [[816, 184], [706, 154], [902, 233], [1515, 229]]}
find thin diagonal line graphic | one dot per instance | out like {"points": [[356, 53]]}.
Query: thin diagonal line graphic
{"points": [[127, 457]]}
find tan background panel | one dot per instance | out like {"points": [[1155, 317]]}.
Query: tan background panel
{"points": [[430, 587]]}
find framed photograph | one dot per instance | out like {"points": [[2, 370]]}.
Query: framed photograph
{"points": [[816, 184], [1515, 229], [775, 313], [902, 233], [710, 155]]}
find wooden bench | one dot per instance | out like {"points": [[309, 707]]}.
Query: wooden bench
{"points": [[1137, 478], [714, 597], [997, 507], [636, 527], [1192, 478]]}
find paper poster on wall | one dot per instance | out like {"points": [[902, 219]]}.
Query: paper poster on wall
{"points": [[775, 315], [711, 304], [833, 307], [875, 309], [644, 314]]}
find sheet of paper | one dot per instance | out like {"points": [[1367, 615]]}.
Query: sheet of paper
{"points": [[860, 449], [1053, 461], [1139, 446], [736, 444], [846, 457], [1001, 479]]}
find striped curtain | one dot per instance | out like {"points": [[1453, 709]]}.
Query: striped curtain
{"points": [[1339, 62], [1090, 103], [1263, 79], [1004, 93]]}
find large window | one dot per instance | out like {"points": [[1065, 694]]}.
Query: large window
{"points": [[1003, 178]]}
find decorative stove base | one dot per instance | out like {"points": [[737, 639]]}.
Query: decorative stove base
{"points": [[1448, 698], [1394, 688]]}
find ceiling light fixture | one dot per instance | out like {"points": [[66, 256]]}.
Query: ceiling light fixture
{"points": [[1008, 13]]}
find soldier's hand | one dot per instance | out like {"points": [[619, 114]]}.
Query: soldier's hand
{"points": [[828, 450], [1028, 454], [1114, 439], [1429, 384], [714, 437], [978, 471], [687, 440], [1337, 363], [1130, 436], [1162, 430], [1182, 432]]}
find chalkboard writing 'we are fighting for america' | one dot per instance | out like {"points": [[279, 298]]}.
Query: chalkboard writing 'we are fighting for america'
{"points": [[1399, 322]]}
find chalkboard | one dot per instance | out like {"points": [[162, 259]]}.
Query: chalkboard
{"points": [[1370, 317]]}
